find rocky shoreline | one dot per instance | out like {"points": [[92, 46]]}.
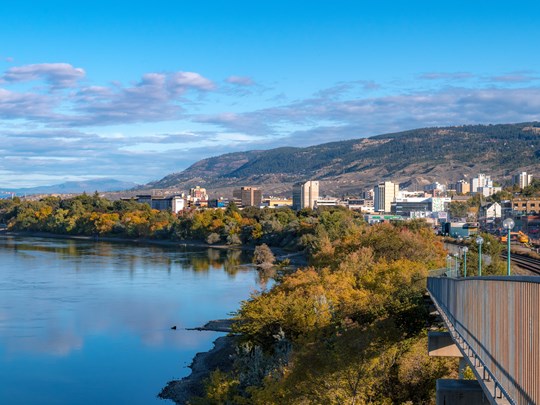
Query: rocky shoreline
{"points": [[219, 325], [180, 391]]}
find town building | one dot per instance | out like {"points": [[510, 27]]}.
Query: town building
{"points": [[198, 193], [361, 204], [526, 205], [174, 203], [490, 211], [419, 207], [481, 181], [384, 194], [218, 203], [276, 202], [488, 191], [459, 229], [325, 202], [248, 196], [435, 188], [368, 194], [376, 218], [305, 194], [462, 187], [522, 179]]}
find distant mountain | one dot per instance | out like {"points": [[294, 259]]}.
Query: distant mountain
{"points": [[413, 158], [74, 187]]}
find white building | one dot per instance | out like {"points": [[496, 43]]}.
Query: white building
{"points": [[419, 207], [326, 202], [385, 194], [305, 194], [174, 203], [493, 210], [435, 187], [522, 179], [481, 181], [488, 191]]}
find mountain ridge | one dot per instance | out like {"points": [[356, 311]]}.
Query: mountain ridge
{"points": [[413, 157], [74, 187]]}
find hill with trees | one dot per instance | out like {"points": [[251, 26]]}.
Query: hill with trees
{"points": [[419, 156]]}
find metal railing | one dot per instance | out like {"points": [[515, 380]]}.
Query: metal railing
{"points": [[444, 272], [496, 321]]}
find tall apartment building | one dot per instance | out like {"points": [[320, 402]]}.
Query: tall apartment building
{"points": [[198, 193], [384, 194], [522, 179], [481, 181], [249, 196], [305, 194]]}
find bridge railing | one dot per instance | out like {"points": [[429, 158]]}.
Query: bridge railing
{"points": [[499, 320]]}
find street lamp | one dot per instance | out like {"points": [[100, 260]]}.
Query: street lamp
{"points": [[479, 242], [508, 224], [456, 266], [448, 261], [465, 250]]}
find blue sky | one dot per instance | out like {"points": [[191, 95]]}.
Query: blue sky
{"points": [[136, 90]]}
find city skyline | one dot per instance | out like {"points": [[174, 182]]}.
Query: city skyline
{"points": [[137, 91]]}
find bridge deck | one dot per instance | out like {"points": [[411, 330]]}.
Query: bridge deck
{"points": [[495, 321]]}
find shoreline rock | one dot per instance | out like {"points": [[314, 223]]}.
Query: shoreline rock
{"points": [[218, 325], [219, 357]]}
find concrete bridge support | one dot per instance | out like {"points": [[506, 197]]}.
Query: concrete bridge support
{"points": [[454, 392]]}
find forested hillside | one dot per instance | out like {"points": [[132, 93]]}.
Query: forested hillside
{"points": [[418, 156]]}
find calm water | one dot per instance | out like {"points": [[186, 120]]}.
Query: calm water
{"points": [[89, 323]]}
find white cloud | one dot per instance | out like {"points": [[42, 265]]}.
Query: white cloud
{"points": [[58, 75], [186, 80]]}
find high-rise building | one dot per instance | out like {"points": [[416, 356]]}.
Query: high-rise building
{"points": [[481, 181], [198, 193], [385, 194], [305, 194], [249, 196], [522, 179]]}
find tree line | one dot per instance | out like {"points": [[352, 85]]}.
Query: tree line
{"points": [[347, 329]]}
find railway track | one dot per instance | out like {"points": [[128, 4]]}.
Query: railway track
{"points": [[525, 262]]}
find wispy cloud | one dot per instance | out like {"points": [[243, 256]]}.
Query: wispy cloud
{"points": [[46, 136], [342, 89], [156, 97], [58, 75], [327, 119], [516, 77], [446, 76], [26, 106], [240, 80]]}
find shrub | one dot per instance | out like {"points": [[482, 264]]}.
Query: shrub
{"points": [[213, 238], [263, 256]]}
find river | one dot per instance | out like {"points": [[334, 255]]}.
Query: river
{"points": [[86, 322]]}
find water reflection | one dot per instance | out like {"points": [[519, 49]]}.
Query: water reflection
{"points": [[191, 258], [60, 287], [64, 303]]}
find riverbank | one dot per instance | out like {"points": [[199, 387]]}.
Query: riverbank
{"points": [[296, 259], [203, 364], [180, 391]]}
